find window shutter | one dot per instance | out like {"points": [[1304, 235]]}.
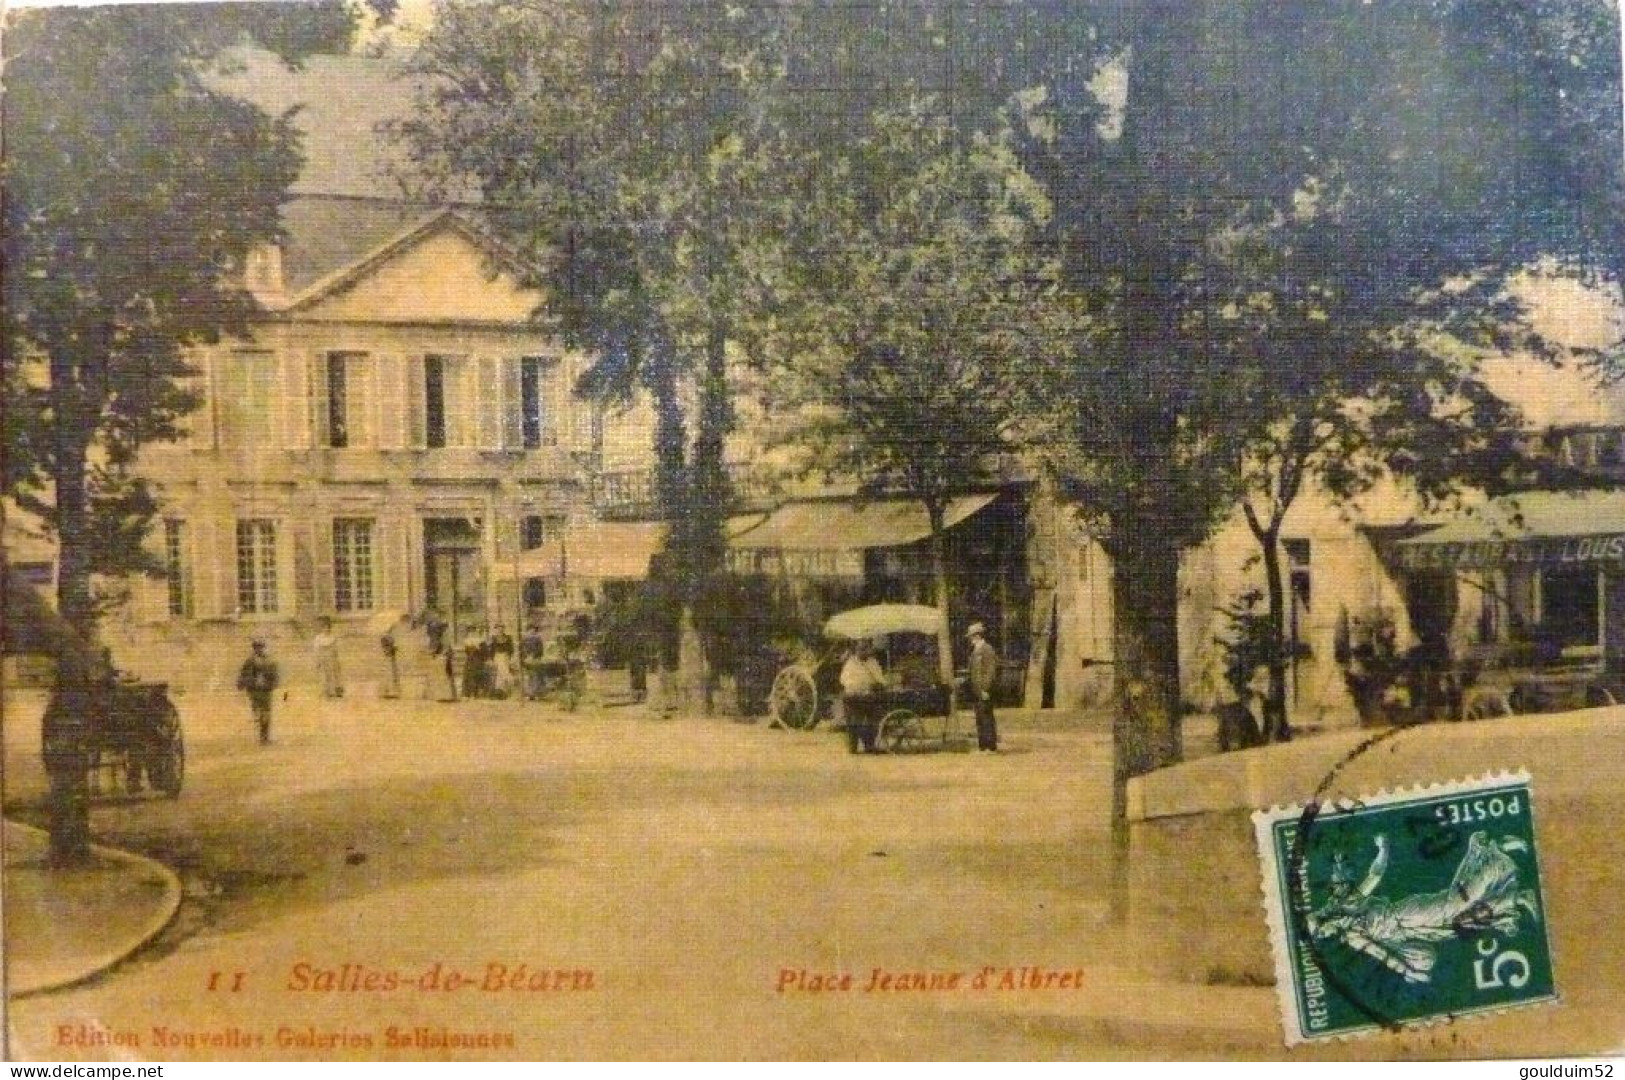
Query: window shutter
{"points": [[363, 378], [513, 434], [295, 392], [417, 423], [200, 421], [322, 559], [489, 403], [316, 394], [189, 569], [388, 377]]}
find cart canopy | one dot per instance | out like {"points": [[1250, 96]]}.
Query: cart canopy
{"points": [[879, 620]]}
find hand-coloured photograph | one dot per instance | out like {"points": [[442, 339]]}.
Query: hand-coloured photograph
{"points": [[845, 530]]}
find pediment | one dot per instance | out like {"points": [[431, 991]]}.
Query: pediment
{"points": [[442, 271]]}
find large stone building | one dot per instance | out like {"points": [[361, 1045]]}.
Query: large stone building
{"points": [[400, 434]]}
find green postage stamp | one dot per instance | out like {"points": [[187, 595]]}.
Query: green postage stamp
{"points": [[1405, 908]]}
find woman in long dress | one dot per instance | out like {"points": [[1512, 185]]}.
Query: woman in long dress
{"points": [[327, 659], [501, 663], [1482, 896]]}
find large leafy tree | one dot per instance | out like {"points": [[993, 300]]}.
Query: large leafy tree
{"points": [[1325, 403], [1422, 133], [618, 146], [916, 294], [132, 194], [1402, 160]]}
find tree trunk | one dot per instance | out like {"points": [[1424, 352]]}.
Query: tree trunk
{"points": [[1276, 728], [936, 512], [670, 439], [68, 739], [1145, 642], [73, 599], [709, 499]]}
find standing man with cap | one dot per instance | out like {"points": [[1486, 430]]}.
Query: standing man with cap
{"points": [[984, 672], [259, 679]]}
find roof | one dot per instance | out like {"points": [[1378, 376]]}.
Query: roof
{"points": [[847, 525], [325, 235]]}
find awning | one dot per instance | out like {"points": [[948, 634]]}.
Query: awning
{"points": [[847, 525], [601, 550], [1539, 528]]}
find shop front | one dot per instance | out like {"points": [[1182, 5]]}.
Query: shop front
{"points": [[1540, 579]]}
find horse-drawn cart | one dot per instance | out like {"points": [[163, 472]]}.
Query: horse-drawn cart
{"points": [[130, 733], [911, 714]]}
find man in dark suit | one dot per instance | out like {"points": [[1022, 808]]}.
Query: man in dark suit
{"points": [[259, 679], [984, 673]]}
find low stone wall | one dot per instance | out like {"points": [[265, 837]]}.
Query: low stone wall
{"points": [[1195, 893]]}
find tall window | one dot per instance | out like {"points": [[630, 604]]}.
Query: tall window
{"points": [[352, 564], [256, 566], [175, 567], [1298, 566], [346, 398], [530, 402], [247, 399], [435, 370], [532, 532]]}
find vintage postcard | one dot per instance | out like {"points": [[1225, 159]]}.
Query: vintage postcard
{"points": [[576, 529]]}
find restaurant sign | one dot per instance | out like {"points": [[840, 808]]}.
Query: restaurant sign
{"points": [[1489, 554], [823, 563]]}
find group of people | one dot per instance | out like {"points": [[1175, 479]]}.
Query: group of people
{"points": [[864, 682], [488, 663]]}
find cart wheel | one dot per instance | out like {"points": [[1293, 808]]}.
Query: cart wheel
{"points": [[793, 701], [168, 768], [901, 730]]}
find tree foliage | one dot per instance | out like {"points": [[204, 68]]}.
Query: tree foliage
{"points": [[132, 193], [617, 146], [898, 333]]}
